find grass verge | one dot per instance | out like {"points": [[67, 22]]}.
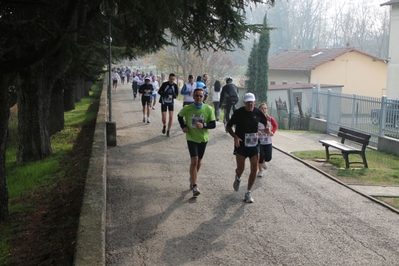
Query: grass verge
{"points": [[383, 169], [45, 196]]}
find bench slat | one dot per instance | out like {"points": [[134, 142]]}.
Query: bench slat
{"points": [[355, 133], [338, 145], [361, 140]]}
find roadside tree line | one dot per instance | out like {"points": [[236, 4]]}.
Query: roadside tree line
{"points": [[51, 50], [307, 24]]}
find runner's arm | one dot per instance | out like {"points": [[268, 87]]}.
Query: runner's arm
{"points": [[274, 125], [161, 89], [221, 98], [181, 121], [210, 125], [176, 92], [184, 90]]}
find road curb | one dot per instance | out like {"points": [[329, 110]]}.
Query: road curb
{"points": [[338, 181], [90, 240]]}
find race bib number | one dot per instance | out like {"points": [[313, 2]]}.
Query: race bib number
{"points": [[195, 119], [264, 139], [168, 99], [251, 139]]}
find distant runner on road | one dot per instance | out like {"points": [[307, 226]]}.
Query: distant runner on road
{"points": [[146, 91], [230, 95], [168, 92]]}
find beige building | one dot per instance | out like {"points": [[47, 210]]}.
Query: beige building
{"points": [[393, 65], [358, 72]]}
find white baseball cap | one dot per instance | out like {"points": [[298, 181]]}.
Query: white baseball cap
{"points": [[249, 97]]}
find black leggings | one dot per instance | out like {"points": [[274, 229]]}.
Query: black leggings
{"points": [[265, 154], [217, 110], [229, 103], [196, 149]]}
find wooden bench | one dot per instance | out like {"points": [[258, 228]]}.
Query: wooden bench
{"points": [[352, 135]]}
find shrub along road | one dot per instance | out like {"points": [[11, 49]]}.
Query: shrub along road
{"points": [[299, 216]]}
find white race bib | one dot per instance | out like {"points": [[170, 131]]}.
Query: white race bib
{"points": [[251, 139], [168, 99], [264, 139], [195, 119]]}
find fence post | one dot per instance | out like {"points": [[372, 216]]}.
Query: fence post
{"points": [[291, 102], [329, 104], [314, 102], [353, 110], [383, 115]]}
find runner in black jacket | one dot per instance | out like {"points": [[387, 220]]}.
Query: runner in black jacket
{"points": [[230, 94]]}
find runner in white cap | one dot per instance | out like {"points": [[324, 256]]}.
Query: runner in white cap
{"points": [[246, 144]]}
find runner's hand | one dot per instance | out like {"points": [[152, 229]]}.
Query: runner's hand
{"points": [[237, 141], [199, 125]]}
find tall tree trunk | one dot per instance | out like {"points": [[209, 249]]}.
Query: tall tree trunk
{"points": [[87, 89], [34, 95], [69, 97], [78, 90], [5, 103], [57, 107]]}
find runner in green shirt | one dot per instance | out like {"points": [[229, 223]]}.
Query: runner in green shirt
{"points": [[195, 120]]}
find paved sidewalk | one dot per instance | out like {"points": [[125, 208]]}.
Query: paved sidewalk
{"points": [[287, 141], [299, 217]]}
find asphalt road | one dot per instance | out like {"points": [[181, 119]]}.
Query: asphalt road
{"points": [[299, 217]]}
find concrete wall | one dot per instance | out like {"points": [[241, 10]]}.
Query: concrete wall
{"points": [[290, 76], [388, 145], [90, 241], [319, 125]]}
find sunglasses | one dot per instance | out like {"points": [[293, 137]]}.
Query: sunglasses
{"points": [[196, 95]]}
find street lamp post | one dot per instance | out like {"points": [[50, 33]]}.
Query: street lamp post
{"points": [[109, 71], [109, 9]]}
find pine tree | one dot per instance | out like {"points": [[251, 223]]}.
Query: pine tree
{"points": [[262, 65], [251, 69], [258, 66]]}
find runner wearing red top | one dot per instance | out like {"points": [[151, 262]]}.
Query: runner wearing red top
{"points": [[265, 141]]}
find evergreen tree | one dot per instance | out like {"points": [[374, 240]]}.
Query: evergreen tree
{"points": [[262, 65], [251, 69], [258, 65]]}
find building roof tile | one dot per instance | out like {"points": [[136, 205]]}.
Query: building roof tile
{"points": [[309, 59]]}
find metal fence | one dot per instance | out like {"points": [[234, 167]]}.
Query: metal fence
{"points": [[371, 115], [375, 116]]}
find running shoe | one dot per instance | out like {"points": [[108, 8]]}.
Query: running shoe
{"points": [[167, 133], [144, 119], [260, 173], [196, 191], [148, 120], [236, 184], [248, 197], [164, 130], [265, 165]]}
